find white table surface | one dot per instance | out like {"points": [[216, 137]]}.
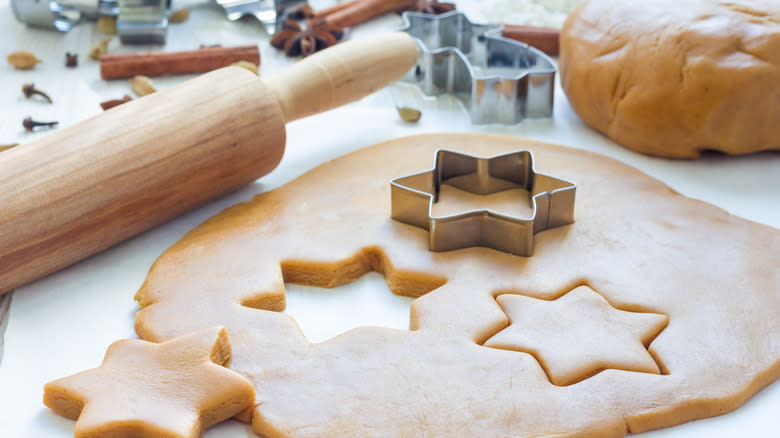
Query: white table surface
{"points": [[63, 323]]}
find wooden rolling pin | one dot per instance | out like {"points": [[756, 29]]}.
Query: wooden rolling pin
{"points": [[87, 187]]}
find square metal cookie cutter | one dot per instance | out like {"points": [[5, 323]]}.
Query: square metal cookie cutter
{"points": [[499, 80], [552, 200]]}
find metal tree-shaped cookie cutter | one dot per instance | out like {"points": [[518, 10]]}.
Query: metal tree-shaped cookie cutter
{"points": [[498, 80], [552, 199]]}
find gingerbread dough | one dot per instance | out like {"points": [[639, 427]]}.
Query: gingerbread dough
{"points": [[685, 296], [175, 389], [673, 78]]}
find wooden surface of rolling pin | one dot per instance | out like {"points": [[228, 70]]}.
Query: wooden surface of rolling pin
{"points": [[87, 187]]}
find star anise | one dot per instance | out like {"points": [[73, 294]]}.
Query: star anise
{"points": [[298, 41], [427, 7], [299, 13]]}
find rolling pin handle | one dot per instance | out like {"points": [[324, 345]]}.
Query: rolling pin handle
{"points": [[343, 73]]}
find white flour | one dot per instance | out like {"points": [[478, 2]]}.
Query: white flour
{"points": [[547, 13]]}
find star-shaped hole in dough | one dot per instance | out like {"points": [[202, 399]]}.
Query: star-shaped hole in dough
{"points": [[578, 335], [174, 389]]}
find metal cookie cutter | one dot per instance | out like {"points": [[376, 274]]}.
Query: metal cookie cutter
{"points": [[138, 21], [143, 21], [270, 13], [552, 199], [499, 80]]}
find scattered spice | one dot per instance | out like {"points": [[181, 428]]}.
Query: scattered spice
{"points": [[30, 124], [23, 60], [299, 13], [297, 41], [179, 16], [99, 49], [5, 147], [251, 66], [107, 25], [355, 12], [142, 85], [427, 7], [324, 13], [127, 65], [29, 91], [107, 105], [408, 114], [71, 59]]}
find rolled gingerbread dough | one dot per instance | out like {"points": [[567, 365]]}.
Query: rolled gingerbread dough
{"points": [[674, 78], [650, 310]]}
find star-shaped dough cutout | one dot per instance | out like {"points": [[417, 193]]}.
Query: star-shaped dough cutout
{"points": [[578, 335], [173, 389]]}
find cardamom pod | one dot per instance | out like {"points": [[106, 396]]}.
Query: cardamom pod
{"points": [[23, 60], [251, 66], [409, 114], [107, 25], [142, 85], [179, 16], [99, 49], [5, 147]]}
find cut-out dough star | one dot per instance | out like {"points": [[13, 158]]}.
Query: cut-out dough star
{"points": [[174, 389], [578, 335]]}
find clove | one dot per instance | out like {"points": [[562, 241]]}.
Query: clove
{"points": [[30, 124], [29, 91], [71, 59]]}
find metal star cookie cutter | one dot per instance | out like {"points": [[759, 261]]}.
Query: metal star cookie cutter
{"points": [[498, 80], [552, 200]]}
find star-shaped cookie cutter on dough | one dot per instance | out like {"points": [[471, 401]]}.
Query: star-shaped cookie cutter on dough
{"points": [[552, 201]]}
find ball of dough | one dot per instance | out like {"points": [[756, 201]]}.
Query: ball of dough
{"points": [[673, 78]]}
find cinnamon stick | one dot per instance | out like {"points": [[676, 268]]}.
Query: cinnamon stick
{"points": [[125, 65], [361, 11], [323, 13], [542, 38]]}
